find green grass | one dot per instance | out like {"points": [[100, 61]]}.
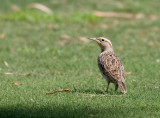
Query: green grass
{"points": [[42, 61], [35, 16]]}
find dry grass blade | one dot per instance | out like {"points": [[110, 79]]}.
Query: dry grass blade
{"points": [[133, 80], [6, 64], [118, 15], [84, 39], [150, 43], [61, 90], [16, 83], [64, 36], [40, 7], [153, 17], [8, 73], [14, 7], [101, 95], [65, 42], [2, 36], [158, 60], [113, 14], [128, 73]]}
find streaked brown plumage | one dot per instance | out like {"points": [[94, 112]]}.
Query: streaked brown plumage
{"points": [[110, 65]]}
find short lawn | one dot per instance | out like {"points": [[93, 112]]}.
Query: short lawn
{"points": [[41, 53]]}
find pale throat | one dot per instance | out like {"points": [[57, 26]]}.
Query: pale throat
{"points": [[108, 48]]}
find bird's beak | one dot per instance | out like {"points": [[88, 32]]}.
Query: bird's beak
{"points": [[95, 39]]}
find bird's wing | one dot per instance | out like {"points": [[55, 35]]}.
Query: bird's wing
{"points": [[112, 66]]}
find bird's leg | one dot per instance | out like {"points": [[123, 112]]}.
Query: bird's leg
{"points": [[107, 86], [116, 87]]}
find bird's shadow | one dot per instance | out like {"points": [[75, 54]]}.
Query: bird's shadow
{"points": [[97, 92]]}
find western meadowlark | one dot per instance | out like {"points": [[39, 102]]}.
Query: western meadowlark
{"points": [[110, 65]]}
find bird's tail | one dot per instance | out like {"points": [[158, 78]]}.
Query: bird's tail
{"points": [[122, 87]]}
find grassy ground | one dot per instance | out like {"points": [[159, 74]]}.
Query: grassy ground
{"points": [[37, 57]]}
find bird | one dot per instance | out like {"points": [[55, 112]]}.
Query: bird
{"points": [[110, 65]]}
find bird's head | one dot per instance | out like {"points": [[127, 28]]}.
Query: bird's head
{"points": [[104, 43]]}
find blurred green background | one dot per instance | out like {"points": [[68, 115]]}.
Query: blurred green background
{"points": [[44, 47]]}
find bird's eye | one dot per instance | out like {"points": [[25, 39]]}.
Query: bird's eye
{"points": [[102, 39]]}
